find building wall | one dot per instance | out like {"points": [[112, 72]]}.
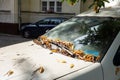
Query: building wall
{"points": [[67, 8], [31, 11], [25, 5], [85, 6], [5, 5], [30, 5], [8, 11], [14, 10], [5, 11], [9, 8], [35, 5], [8, 16]]}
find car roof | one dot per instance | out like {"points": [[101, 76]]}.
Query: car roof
{"points": [[55, 18], [104, 12]]}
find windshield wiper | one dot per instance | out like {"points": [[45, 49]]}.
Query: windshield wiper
{"points": [[63, 48]]}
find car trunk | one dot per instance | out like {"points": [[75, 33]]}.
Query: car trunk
{"points": [[23, 61]]}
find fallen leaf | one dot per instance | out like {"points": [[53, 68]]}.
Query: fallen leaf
{"points": [[71, 65], [41, 69], [62, 61], [117, 70], [10, 72]]}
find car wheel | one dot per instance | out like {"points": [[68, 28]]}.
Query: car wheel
{"points": [[26, 34]]}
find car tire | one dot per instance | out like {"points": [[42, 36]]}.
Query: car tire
{"points": [[26, 34]]}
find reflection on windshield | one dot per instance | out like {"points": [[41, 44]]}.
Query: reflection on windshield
{"points": [[85, 38]]}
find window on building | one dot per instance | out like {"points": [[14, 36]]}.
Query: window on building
{"points": [[51, 5], [44, 6], [59, 6]]}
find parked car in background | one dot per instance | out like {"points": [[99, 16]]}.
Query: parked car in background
{"points": [[41, 26]]}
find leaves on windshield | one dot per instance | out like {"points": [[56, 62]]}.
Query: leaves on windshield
{"points": [[63, 47]]}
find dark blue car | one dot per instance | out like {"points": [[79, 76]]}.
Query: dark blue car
{"points": [[40, 27]]}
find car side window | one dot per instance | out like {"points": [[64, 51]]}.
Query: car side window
{"points": [[55, 21], [45, 21], [116, 60]]}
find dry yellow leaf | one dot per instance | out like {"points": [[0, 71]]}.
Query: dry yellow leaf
{"points": [[117, 70], [41, 69], [54, 50], [62, 61], [10, 72], [71, 65]]}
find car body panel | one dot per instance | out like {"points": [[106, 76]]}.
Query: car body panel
{"points": [[108, 61], [93, 72], [25, 62]]}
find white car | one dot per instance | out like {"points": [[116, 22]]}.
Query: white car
{"points": [[85, 47]]}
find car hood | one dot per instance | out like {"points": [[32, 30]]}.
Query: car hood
{"points": [[28, 61]]}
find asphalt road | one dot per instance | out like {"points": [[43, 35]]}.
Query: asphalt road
{"points": [[6, 40]]}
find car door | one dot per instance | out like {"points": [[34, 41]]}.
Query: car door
{"points": [[41, 25], [111, 61], [116, 62]]}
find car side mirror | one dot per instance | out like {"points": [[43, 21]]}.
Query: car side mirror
{"points": [[116, 60]]}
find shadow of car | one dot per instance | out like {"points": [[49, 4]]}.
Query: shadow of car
{"points": [[40, 27]]}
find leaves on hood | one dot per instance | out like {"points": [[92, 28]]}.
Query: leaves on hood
{"points": [[10, 72], [62, 61], [72, 65], [40, 70]]}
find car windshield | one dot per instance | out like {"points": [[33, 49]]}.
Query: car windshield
{"points": [[85, 36]]}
